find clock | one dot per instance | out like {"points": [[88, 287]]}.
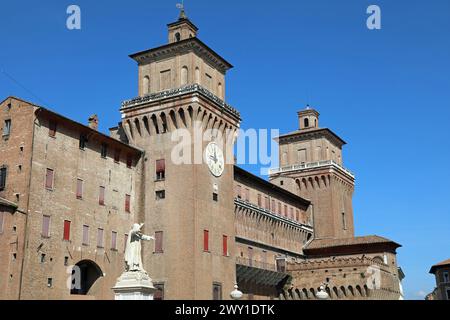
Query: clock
{"points": [[214, 159]]}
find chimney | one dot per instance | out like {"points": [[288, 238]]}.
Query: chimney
{"points": [[93, 122]]}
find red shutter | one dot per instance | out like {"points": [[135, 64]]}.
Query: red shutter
{"points": [[79, 189], [205, 240], [49, 179], [127, 203], [160, 165], [101, 197], [45, 226], [66, 230], [158, 242], [225, 246], [52, 128]]}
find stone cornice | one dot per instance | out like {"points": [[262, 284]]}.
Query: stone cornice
{"points": [[268, 213], [172, 93], [302, 135], [181, 47]]}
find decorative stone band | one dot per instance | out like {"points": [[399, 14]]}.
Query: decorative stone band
{"points": [[311, 165], [270, 214], [192, 88]]}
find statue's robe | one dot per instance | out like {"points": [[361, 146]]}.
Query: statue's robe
{"points": [[133, 257]]}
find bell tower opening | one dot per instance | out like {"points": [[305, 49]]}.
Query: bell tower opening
{"points": [[308, 118], [182, 29]]}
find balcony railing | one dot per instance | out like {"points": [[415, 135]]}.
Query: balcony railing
{"points": [[256, 264], [310, 165]]}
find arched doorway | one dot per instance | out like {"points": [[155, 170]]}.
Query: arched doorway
{"points": [[84, 274]]}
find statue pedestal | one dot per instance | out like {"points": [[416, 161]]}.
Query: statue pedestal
{"points": [[135, 285]]}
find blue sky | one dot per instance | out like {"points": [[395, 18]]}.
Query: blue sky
{"points": [[386, 92]]}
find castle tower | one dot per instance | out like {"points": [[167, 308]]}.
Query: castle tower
{"points": [[189, 202], [311, 166]]}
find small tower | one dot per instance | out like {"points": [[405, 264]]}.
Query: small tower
{"points": [[308, 118], [311, 166], [182, 29]]}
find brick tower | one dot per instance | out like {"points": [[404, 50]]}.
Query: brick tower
{"points": [[311, 166], [188, 205]]}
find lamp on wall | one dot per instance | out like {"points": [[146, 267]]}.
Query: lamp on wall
{"points": [[322, 294], [236, 294]]}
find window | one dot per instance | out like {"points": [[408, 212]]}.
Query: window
{"points": [[344, 221], [49, 282], [281, 182], [114, 240], [273, 206], [85, 235], [159, 242], [117, 155], [129, 160], [83, 141], [448, 294], [297, 215], [3, 172], [238, 192], [160, 169], [66, 234], [79, 189], [306, 122], [49, 177], [247, 194], [2, 217], [127, 203], [267, 203], [101, 196], [446, 277], [159, 293], [52, 128], [281, 264], [66, 261], [285, 210], [177, 37], [217, 291], [215, 197], [206, 240], [259, 200], [46, 226], [225, 245], [42, 257], [7, 128], [104, 150], [160, 195], [100, 238], [292, 213], [279, 208]]}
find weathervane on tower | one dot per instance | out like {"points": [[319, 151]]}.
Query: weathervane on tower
{"points": [[181, 7]]}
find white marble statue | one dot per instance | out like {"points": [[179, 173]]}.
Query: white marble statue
{"points": [[133, 258]]}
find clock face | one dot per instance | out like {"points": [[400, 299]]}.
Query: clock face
{"points": [[214, 159]]}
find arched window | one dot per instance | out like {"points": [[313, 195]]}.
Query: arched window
{"points": [[177, 36], [197, 75], [306, 121], [146, 85], [184, 76]]}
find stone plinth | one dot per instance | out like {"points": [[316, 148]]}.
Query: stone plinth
{"points": [[134, 285]]}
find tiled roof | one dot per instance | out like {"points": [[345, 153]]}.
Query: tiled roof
{"points": [[329, 243], [440, 264]]}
